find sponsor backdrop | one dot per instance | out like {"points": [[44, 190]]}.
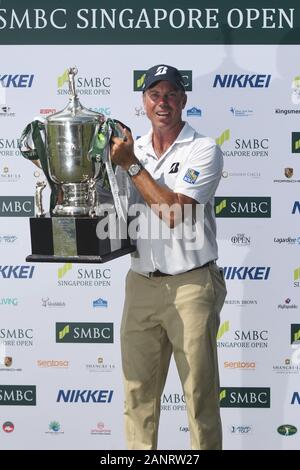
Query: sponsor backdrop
{"points": [[60, 369]]}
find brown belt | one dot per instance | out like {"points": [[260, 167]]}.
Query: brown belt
{"points": [[158, 273]]}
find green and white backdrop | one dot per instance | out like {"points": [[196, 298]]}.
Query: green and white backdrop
{"points": [[242, 73]]}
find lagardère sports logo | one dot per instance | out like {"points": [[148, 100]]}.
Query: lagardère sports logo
{"points": [[243, 207], [20, 395], [16, 206], [245, 397], [84, 333]]}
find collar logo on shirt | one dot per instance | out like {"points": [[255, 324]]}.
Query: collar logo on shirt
{"points": [[191, 176], [174, 167]]}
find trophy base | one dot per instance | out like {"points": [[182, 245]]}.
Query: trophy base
{"points": [[73, 240]]}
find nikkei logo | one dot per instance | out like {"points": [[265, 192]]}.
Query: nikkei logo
{"points": [[295, 142], [296, 207], [85, 396], [16, 272], [243, 207], [253, 273], [245, 397], [242, 81], [84, 333], [16, 81], [139, 79], [16, 206], [295, 398], [295, 333], [287, 430], [21, 395]]}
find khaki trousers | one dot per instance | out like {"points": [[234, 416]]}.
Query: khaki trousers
{"points": [[164, 315]]}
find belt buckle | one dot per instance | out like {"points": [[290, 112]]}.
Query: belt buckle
{"points": [[156, 273], [153, 274]]}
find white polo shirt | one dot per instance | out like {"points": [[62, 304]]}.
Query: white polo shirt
{"points": [[191, 166]]}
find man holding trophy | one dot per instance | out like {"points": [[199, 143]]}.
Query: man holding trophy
{"points": [[174, 290]]}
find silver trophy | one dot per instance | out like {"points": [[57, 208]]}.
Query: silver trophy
{"points": [[70, 136], [72, 148]]}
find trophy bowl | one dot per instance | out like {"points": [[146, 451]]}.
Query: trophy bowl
{"points": [[70, 136]]}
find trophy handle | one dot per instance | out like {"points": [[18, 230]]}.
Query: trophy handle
{"points": [[93, 197], [40, 186], [92, 154]]}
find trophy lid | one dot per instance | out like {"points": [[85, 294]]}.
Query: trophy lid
{"points": [[74, 112]]}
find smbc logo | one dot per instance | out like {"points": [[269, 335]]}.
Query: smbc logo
{"points": [[287, 430], [245, 397], [84, 333]]}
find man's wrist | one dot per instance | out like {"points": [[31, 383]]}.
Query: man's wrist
{"points": [[135, 168]]}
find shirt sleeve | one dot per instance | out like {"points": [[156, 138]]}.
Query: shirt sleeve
{"points": [[201, 171]]}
